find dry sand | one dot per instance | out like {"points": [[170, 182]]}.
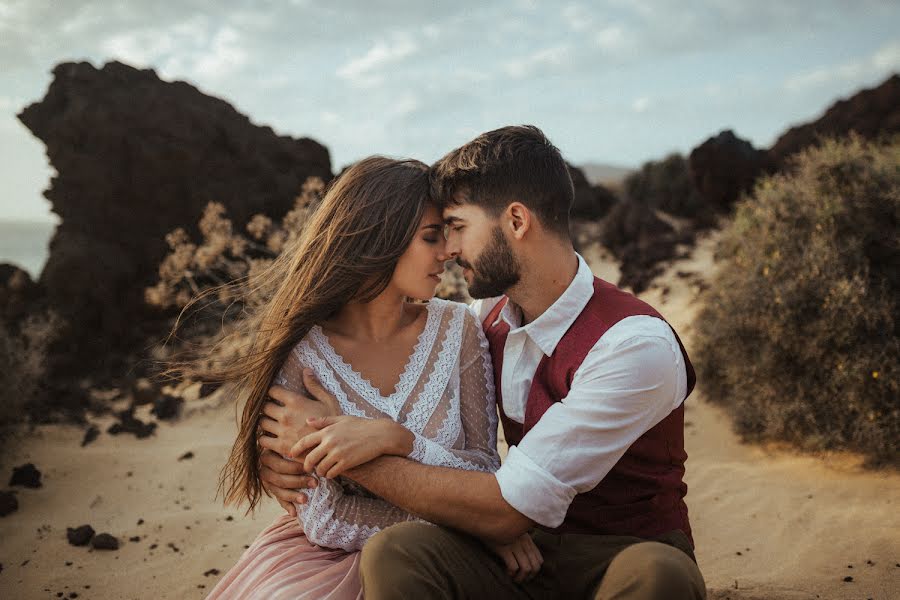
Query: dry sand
{"points": [[768, 522]]}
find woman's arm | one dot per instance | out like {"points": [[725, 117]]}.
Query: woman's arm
{"points": [[335, 519]]}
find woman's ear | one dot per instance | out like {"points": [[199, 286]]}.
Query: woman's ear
{"points": [[519, 219]]}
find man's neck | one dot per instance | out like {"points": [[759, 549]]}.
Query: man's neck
{"points": [[548, 273]]}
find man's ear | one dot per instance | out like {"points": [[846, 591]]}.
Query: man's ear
{"points": [[519, 219]]}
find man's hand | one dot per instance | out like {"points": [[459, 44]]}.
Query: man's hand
{"points": [[282, 478], [522, 558], [284, 417], [283, 423]]}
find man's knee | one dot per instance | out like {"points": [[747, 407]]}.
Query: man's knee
{"points": [[652, 570], [398, 542], [399, 555]]}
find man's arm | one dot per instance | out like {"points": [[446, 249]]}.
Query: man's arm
{"points": [[467, 500]]}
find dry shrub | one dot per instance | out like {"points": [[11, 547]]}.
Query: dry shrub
{"points": [[23, 354], [214, 280], [799, 336], [224, 266]]}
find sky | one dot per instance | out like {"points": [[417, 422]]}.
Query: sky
{"points": [[617, 82]]}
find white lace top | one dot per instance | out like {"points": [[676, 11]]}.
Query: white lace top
{"points": [[445, 397]]}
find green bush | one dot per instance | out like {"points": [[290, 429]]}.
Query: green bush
{"points": [[799, 335]]}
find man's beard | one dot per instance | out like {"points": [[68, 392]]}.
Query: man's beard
{"points": [[496, 268]]}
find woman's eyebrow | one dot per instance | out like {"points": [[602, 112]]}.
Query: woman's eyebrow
{"points": [[435, 226]]}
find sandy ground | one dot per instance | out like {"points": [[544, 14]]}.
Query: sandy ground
{"points": [[768, 522]]}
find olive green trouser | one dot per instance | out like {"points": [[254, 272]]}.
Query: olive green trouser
{"points": [[419, 561]]}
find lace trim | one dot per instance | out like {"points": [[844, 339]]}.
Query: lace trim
{"points": [[392, 404], [429, 398], [428, 452], [448, 433], [490, 387], [309, 358]]}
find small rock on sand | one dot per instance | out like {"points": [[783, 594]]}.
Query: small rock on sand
{"points": [[105, 541], [27, 475], [90, 435], [80, 536], [166, 407]]}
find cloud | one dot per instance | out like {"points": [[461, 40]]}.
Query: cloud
{"points": [[364, 71], [640, 105], [541, 61], [194, 49], [885, 59], [577, 17]]}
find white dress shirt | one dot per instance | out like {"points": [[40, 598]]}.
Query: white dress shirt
{"points": [[631, 379]]}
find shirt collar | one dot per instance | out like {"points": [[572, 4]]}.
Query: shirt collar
{"points": [[553, 323]]}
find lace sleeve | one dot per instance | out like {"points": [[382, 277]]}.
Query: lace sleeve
{"points": [[334, 518], [477, 408]]}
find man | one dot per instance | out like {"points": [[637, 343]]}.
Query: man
{"points": [[590, 386]]}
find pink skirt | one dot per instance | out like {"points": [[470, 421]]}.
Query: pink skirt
{"points": [[282, 564]]}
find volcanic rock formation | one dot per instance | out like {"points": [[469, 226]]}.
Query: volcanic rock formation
{"points": [[135, 158]]}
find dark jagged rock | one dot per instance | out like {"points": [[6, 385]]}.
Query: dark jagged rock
{"points": [[137, 157], [186, 456], [167, 407], [80, 536], [666, 185], [26, 475], [128, 423], [641, 241], [8, 503], [105, 541], [872, 113], [725, 166], [591, 202], [144, 392]]}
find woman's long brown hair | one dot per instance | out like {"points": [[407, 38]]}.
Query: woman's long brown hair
{"points": [[347, 251]]}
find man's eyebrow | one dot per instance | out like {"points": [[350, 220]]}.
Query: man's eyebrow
{"points": [[452, 220]]}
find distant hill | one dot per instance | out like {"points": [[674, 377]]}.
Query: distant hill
{"points": [[605, 174]]}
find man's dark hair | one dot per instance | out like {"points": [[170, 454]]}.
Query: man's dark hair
{"points": [[514, 163]]}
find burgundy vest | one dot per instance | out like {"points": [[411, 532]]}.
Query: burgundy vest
{"points": [[643, 494]]}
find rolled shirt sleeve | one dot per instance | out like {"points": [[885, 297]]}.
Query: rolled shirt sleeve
{"points": [[632, 378]]}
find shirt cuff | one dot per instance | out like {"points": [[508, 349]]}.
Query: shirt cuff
{"points": [[532, 490]]}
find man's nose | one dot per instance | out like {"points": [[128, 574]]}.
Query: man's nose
{"points": [[451, 249]]}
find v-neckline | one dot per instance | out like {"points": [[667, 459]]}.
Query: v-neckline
{"points": [[412, 370]]}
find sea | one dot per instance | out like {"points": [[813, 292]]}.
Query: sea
{"points": [[25, 244]]}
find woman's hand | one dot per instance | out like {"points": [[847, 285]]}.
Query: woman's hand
{"points": [[345, 442], [522, 557]]}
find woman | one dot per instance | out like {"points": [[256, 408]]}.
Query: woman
{"points": [[417, 376]]}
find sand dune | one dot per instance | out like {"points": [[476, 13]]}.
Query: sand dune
{"points": [[768, 522]]}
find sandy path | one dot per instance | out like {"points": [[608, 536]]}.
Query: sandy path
{"points": [[774, 523]]}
